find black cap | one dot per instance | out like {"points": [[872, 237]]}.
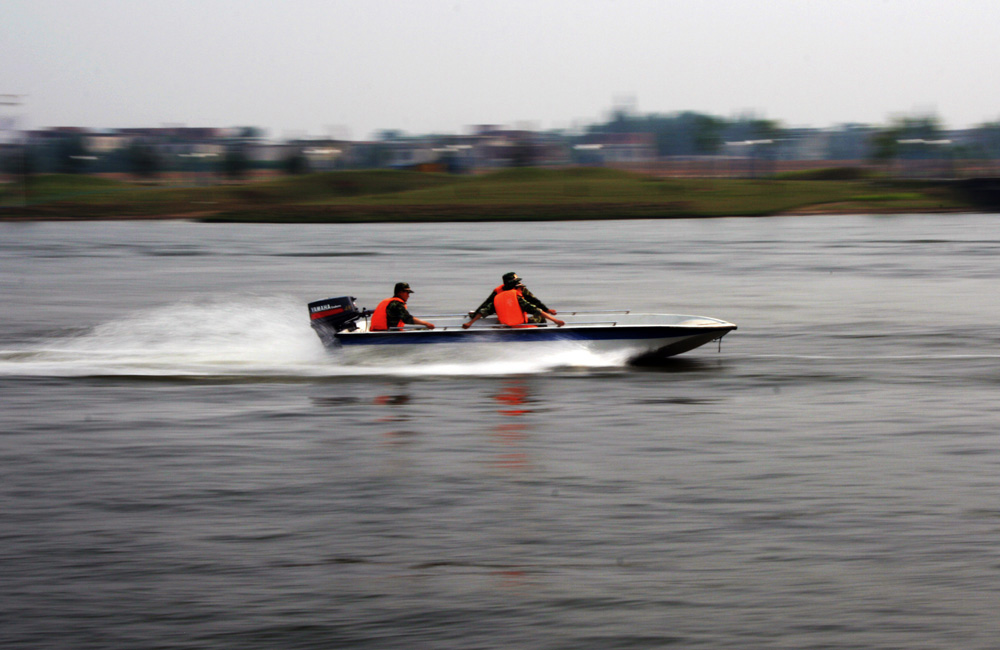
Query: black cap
{"points": [[402, 286], [508, 278]]}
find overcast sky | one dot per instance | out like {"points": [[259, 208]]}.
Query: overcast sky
{"points": [[350, 67]]}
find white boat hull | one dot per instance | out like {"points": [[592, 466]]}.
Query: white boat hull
{"points": [[638, 338]]}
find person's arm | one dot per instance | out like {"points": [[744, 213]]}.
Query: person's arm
{"points": [[555, 320], [486, 309], [487, 304], [419, 321], [404, 315], [529, 307], [533, 299]]}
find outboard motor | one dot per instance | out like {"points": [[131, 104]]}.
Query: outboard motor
{"points": [[333, 315]]}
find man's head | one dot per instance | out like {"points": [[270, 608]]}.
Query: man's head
{"points": [[402, 290], [510, 281]]}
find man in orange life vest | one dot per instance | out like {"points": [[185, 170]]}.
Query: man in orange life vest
{"points": [[392, 312], [511, 307], [487, 307]]}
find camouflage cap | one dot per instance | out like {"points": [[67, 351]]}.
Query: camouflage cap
{"points": [[510, 277], [402, 286]]}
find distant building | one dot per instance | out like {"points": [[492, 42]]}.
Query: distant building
{"points": [[801, 144], [616, 148], [321, 154], [849, 142]]}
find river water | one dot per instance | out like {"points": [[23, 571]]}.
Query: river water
{"points": [[182, 465]]}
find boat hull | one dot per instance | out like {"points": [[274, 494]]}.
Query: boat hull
{"points": [[639, 338]]}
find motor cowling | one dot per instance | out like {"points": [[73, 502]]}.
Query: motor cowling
{"points": [[333, 315]]}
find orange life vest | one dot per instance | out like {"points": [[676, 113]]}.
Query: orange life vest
{"points": [[508, 310], [499, 290], [379, 318]]}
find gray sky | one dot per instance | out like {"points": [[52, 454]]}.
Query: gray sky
{"points": [[349, 67]]}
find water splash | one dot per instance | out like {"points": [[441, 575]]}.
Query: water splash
{"points": [[254, 337]]}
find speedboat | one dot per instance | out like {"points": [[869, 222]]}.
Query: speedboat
{"points": [[639, 337]]}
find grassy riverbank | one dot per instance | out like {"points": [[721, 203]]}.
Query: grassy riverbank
{"points": [[519, 194]]}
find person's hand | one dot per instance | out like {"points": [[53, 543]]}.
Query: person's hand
{"points": [[558, 322], [465, 326], [552, 312], [430, 326]]}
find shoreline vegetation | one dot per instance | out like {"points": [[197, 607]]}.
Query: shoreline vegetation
{"points": [[527, 194]]}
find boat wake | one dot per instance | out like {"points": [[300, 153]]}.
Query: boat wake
{"points": [[264, 337]]}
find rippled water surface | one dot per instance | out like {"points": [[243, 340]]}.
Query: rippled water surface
{"points": [[182, 465]]}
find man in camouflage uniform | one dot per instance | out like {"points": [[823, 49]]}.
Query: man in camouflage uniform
{"points": [[539, 313], [534, 305], [395, 310]]}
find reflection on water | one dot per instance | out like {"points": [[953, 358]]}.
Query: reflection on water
{"points": [[514, 401], [513, 397], [396, 419]]}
